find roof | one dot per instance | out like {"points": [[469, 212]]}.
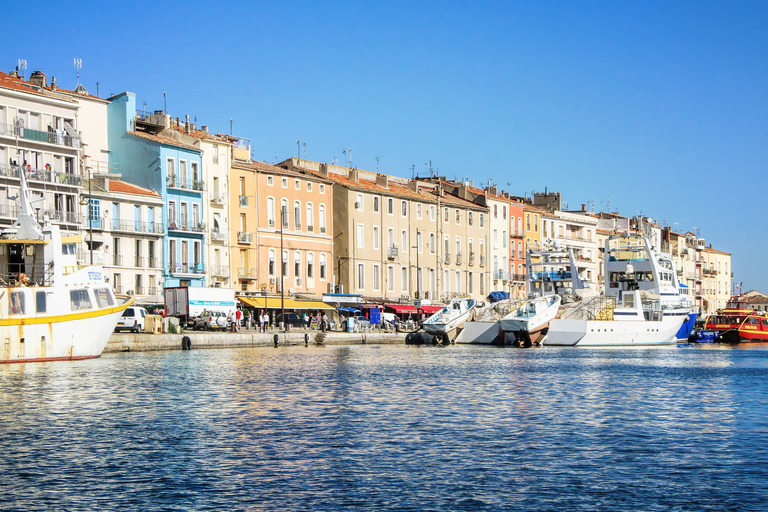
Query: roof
{"points": [[11, 82], [130, 188], [163, 140], [365, 185], [715, 251], [257, 166]]}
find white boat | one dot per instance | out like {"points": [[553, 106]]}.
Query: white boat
{"points": [[446, 323], [602, 321], [631, 262], [530, 321], [50, 308], [484, 328]]}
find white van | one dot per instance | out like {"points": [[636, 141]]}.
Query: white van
{"points": [[132, 319]]}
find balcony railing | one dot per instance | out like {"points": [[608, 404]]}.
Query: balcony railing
{"points": [[482, 260], [139, 290], [244, 237], [218, 199], [392, 252], [447, 258], [117, 260], [471, 260], [186, 268], [139, 261], [154, 263], [243, 200], [247, 273], [66, 217], [458, 258], [220, 270], [59, 137], [186, 226], [218, 236], [10, 211], [44, 175], [322, 229], [153, 290], [310, 228], [136, 226], [174, 181]]}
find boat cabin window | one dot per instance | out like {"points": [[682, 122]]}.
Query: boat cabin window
{"points": [[67, 248], [79, 300], [41, 301], [103, 297], [629, 300], [18, 303]]}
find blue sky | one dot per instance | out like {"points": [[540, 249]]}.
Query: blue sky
{"points": [[652, 107]]}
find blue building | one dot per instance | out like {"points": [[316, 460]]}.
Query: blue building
{"points": [[153, 151]]}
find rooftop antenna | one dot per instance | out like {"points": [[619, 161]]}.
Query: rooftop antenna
{"points": [[97, 90], [165, 103], [377, 165], [350, 158], [298, 146], [78, 65], [413, 171], [305, 151], [345, 157], [22, 66], [231, 121]]}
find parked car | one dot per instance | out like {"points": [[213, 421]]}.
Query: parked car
{"points": [[293, 319], [132, 319], [209, 321], [362, 321]]}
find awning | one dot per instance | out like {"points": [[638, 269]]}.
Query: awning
{"points": [[277, 303], [402, 308], [431, 309]]}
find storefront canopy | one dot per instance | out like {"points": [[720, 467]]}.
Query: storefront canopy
{"points": [[430, 310], [402, 308], [275, 303]]}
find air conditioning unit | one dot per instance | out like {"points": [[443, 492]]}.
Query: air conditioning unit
{"points": [[272, 280], [357, 206]]}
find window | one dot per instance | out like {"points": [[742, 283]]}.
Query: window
{"points": [[445, 216], [170, 165], [536, 223], [271, 211], [470, 287], [297, 184], [79, 300], [469, 218], [322, 265], [271, 264], [376, 277], [360, 235], [376, 204], [390, 278], [285, 182], [309, 186], [297, 264], [432, 212], [482, 220], [458, 216], [310, 218], [376, 237], [297, 215], [528, 222], [182, 181], [359, 203], [310, 266], [482, 283], [504, 239], [404, 279], [195, 175], [404, 240], [41, 301], [322, 188], [361, 276], [270, 180], [431, 242], [390, 206], [495, 211], [284, 212], [504, 212], [404, 208], [322, 218], [285, 263], [418, 210], [18, 303], [418, 242]]}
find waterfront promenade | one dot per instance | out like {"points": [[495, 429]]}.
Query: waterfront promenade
{"points": [[142, 342]]}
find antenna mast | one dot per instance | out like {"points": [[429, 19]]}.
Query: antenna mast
{"points": [[78, 65]]}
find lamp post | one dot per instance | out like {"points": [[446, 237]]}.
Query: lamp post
{"points": [[284, 325]]}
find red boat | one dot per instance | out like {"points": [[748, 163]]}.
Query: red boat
{"points": [[754, 328], [729, 320]]}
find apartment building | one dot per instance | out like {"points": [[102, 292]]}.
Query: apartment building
{"points": [[282, 230], [39, 134]]}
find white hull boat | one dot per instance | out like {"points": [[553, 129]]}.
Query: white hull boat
{"points": [[599, 323], [446, 323], [50, 307], [530, 321]]}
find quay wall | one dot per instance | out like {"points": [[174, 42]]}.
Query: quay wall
{"points": [[143, 342]]}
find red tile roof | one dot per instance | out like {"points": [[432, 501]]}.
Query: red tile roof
{"points": [[130, 188], [163, 140], [18, 84]]}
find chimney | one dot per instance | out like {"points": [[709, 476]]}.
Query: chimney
{"points": [[53, 83], [354, 176], [39, 79], [492, 190], [186, 124], [324, 170], [583, 207], [382, 180], [205, 128]]}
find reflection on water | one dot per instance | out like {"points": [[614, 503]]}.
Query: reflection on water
{"points": [[388, 428]]}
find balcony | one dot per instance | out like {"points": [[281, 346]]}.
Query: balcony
{"points": [[117, 260], [182, 182], [65, 217], [247, 273], [392, 252], [139, 262], [186, 268], [218, 199], [458, 258], [10, 211], [58, 137], [42, 175], [154, 263], [310, 228], [243, 200], [153, 290], [447, 258], [244, 237], [482, 260], [218, 236], [139, 290], [219, 271], [471, 260], [198, 185]]}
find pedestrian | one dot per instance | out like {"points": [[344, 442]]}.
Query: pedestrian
{"points": [[238, 318], [248, 320], [305, 320], [325, 322]]}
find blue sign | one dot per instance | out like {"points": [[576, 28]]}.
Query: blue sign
{"points": [[375, 317]]}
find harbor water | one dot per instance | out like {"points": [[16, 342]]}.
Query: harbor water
{"points": [[389, 427]]}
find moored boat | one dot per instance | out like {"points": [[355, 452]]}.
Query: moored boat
{"points": [[729, 320], [446, 323], [50, 307], [530, 321]]}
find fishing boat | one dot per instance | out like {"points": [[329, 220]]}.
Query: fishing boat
{"points": [[530, 321], [631, 262], [448, 322], [737, 322], [51, 308]]}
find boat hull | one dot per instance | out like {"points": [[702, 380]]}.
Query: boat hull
{"points": [[74, 336], [612, 333]]}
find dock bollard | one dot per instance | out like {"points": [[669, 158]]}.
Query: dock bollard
{"points": [[306, 339], [276, 338]]}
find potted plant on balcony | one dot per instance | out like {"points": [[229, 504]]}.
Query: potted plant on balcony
{"points": [[171, 180]]}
